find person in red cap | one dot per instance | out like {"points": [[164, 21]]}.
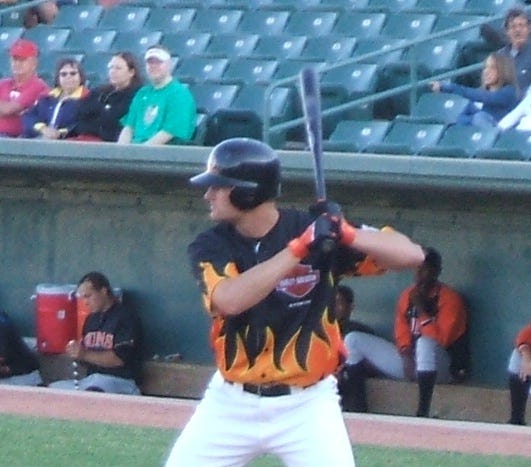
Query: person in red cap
{"points": [[21, 90]]}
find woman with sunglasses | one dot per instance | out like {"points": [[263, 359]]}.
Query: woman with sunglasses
{"points": [[55, 114], [100, 112]]}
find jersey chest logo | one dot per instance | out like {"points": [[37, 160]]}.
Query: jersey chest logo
{"points": [[300, 281]]}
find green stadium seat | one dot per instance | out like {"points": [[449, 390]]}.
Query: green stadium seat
{"points": [[356, 135], [435, 56], [264, 22], [289, 4], [197, 69], [489, 7], [90, 40], [235, 44], [124, 18], [280, 47], [78, 16], [8, 35], [218, 21], [376, 47], [345, 5], [211, 97], [247, 70], [511, 144], [48, 38], [13, 19], [331, 48], [186, 43], [408, 25], [391, 6], [439, 6], [360, 24], [291, 67], [407, 138], [311, 23], [170, 20], [461, 141], [136, 42], [457, 20], [96, 67], [436, 107]]}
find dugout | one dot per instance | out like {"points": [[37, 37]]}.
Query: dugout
{"points": [[68, 208]]}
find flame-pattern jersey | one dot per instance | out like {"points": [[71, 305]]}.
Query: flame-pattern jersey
{"points": [[290, 337]]}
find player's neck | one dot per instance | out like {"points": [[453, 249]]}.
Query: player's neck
{"points": [[259, 221]]}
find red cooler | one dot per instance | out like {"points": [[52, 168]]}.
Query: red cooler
{"points": [[55, 307]]}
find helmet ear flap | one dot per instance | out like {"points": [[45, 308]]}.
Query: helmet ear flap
{"points": [[244, 198]]}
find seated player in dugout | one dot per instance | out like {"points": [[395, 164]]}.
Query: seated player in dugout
{"points": [[268, 278], [19, 365], [519, 369], [431, 341], [110, 347]]}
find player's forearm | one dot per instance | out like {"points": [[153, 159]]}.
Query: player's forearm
{"points": [[161, 137], [388, 248], [9, 108], [126, 135], [236, 295], [104, 358]]}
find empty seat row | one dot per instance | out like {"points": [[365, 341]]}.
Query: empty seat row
{"points": [[429, 139]]}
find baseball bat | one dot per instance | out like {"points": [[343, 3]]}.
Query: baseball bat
{"points": [[311, 104]]}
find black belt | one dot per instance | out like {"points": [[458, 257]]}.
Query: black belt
{"points": [[268, 390]]}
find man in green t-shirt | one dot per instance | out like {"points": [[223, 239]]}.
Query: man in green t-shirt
{"points": [[163, 111]]}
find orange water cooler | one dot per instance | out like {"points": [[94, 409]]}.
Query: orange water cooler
{"points": [[56, 316]]}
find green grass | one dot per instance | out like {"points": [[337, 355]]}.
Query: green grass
{"points": [[56, 443]]}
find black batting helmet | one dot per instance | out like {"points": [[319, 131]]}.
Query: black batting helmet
{"points": [[248, 165]]}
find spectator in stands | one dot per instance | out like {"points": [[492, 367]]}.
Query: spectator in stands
{"points": [[54, 115], [515, 43], [520, 375], [22, 89], [44, 12], [497, 96], [100, 112], [111, 341], [18, 364], [430, 341], [163, 111], [519, 117]]}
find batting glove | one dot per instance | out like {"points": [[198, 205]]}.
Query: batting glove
{"points": [[321, 235]]}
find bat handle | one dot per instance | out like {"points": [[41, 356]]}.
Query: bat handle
{"points": [[327, 245]]}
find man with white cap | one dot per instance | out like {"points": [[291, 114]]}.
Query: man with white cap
{"points": [[21, 90], [164, 110]]}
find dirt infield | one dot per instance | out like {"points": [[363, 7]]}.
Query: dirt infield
{"points": [[441, 435]]}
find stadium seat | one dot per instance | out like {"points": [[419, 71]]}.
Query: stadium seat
{"points": [[511, 144], [280, 47], [436, 107], [170, 20], [264, 22], [435, 56], [48, 38], [14, 19], [360, 24], [218, 21], [136, 42], [229, 123], [90, 40], [289, 4], [5, 64], [8, 35], [455, 21], [246, 70], [186, 43], [311, 23], [489, 7], [439, 6], [232, 45], [376, 47], [197, 69], [211, 97], [356, 135], [78, 17], [408, 25], [461, 141], [391, 6], [291, 67], [124, 18], [344, 5], [331, 48], [407, 138], [96, 67]]}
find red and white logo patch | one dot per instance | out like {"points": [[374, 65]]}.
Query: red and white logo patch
{"points": [[300, 281]]}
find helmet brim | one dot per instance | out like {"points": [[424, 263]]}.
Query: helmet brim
{"points": [[209, 178]]}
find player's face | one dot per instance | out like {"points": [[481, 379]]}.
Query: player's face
{"points": [[95, 300], [221, 208]]}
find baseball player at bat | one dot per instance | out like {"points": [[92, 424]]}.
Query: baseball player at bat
{"points": [[269, 290]]}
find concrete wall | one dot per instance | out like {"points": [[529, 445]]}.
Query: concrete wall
{"points": [[67, 208]]}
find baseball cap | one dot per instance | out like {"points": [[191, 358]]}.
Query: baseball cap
{"points": [[23, 48], [159, 54]]}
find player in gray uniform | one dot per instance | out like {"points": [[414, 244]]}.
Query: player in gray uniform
{"points": [[269, 289], [111, 341]]}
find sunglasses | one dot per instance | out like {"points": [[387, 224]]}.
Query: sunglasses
{"points": [[62, 74]]}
